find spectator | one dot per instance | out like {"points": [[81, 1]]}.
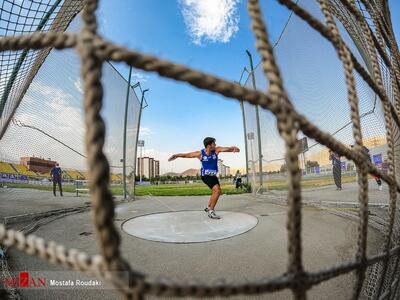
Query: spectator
{"points": [[377, 178], [238, 180], [337, 169], [56, 176]]}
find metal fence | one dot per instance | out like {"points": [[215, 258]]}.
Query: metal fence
{"points": [[318, 93], [46, 114]]}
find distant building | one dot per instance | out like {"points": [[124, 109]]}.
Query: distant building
{"points": [[146, 170], [156, 168], [376, 145], [151, 168], [223, 170], [227, 171], [378, 156], [220, 164], [148, 167], [36, 164]]}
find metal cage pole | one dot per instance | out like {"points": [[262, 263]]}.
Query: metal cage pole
{"points": [[137, 139], [244, 128], [245, 141], [125, 127], [260, 189]]}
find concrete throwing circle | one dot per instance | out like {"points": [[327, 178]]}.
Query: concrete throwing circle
{"points": [[188, 226]]}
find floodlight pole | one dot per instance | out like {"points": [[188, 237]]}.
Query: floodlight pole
{"points": [[258, 124]]}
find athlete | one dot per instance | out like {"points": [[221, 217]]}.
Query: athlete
{"points": [[209, 169]]}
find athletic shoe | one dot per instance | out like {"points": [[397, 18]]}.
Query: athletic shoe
{"points": [[212, 215], [206, 209], [380, 187]]}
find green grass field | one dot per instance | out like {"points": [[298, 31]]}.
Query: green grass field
{"points": [[196, 189], [280, 184]]}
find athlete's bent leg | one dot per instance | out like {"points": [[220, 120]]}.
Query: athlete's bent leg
{"points": [[216, 192]]}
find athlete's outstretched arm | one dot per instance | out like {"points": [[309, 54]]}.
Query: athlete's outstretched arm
{"points": [[227, 149], [195, 154]]}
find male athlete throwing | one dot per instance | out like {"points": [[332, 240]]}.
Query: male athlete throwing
{"points": [[209, 168]]}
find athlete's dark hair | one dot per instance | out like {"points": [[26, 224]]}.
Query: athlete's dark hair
{"points": [[208, 141]]}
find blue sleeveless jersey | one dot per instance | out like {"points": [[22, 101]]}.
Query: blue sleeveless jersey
{"points": [[209, 163]]}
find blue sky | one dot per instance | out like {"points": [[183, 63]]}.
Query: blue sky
{"points": [[179, 116], [209, 38]]}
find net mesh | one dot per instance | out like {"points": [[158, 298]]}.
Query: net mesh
{"points": [[317, 93], [368, 63], [49, 124], [18, 68]]}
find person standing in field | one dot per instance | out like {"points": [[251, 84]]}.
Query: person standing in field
{"points": [[238, 180], [336, 169], [208, 157], [56, 176], [377, 178]]}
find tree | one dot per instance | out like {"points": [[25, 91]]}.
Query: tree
{"points": [[283, 168]]}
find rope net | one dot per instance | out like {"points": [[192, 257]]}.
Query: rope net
{"points": [[358, 42], [320, 94]]}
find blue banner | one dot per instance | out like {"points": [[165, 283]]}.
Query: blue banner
{"points": [[13, 178], [377, 159]]}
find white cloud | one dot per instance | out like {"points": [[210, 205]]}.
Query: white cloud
{"points": [[78, 85], [52, 110], [145, 131], [60, 108], [210, 20], [139, 77]]}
